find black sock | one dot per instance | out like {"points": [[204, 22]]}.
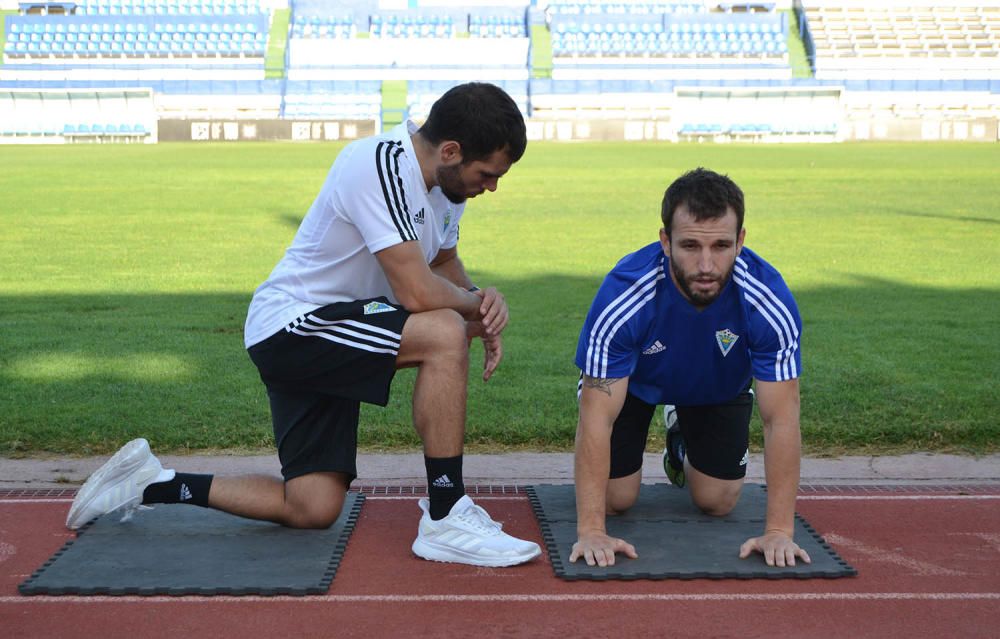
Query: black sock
{"points": [[184, 488], [444, 484]]}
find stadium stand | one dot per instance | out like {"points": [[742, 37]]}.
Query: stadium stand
{"points": [[338, 58], [101, 115], [201, 58], [70, 39], [438, 43], [343, 99], [423, 93], [588, 39], [580, 69], [894, 41]]}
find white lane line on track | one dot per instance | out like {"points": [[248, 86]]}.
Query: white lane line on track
{"points": [[522, 598], [66, 500], [891, 497], [475, 497]]}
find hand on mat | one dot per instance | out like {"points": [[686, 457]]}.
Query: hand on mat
{"points": [[778, 549], [598, 549], [493, 310]]}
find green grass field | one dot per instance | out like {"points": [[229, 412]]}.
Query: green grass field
{"points": [[125, 272]]}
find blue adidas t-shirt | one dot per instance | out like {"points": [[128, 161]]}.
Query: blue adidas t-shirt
{"points": [[641, 327]]}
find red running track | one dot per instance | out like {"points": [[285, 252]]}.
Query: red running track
{"points": [[928, 562]]}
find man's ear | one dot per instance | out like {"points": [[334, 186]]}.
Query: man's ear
{"points": [[450, 152], [665, 242]]}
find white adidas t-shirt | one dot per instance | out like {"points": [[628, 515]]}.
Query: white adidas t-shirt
{"points": [[374, 197]]}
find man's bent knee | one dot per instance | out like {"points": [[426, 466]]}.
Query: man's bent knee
{"points": [[433, 334], [622, 493], [313, 517], [718, 504], [315, 500], [618, 504]]}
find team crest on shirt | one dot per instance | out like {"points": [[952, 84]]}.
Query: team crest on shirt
{"points": [[725, 339], [377, 307], [447, 219]]}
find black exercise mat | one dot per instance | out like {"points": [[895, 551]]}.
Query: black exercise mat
{"points": [[677, 541], [186, 550], [657, 502]]}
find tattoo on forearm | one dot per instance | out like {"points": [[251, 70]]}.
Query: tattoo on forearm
{"points": [[601, 384]]}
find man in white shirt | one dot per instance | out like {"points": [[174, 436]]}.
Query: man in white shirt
{"points": [[371, 283]]}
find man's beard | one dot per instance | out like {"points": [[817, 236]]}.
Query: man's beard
{"points": [[700, 300], [450, 181]]}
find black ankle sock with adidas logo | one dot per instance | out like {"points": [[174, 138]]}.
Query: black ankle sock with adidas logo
{"points": [[184, 488], [444, 484]]}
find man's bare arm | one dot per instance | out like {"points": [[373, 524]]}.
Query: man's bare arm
{"points": [[779, 410], [417, 287], [601, 399], [448, 265]]}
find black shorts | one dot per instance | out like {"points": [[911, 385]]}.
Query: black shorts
{"points": [[318, 370], [716, 437]]}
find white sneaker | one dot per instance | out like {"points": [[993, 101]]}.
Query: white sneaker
{"points": [[468, 536], [117, 484]]}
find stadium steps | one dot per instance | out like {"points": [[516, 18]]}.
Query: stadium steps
{"points": [[541, 51], [277, 44], [798, 59], [3, 29], [394, 102]]}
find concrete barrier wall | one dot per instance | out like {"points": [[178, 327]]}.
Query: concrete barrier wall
{"points": [[206, 130], [579, 130]]}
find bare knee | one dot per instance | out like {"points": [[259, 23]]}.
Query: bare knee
{"points": [[314, 500], [618, 504], [717, 505], [449, 331], [434, 336], [622, 493], [317, 516]]}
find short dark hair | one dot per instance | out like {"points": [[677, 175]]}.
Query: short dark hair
{"points": [[481, 117], [707, 194]]}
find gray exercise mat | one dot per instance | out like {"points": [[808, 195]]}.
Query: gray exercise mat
{"points": [[186, 550], [657, 502], [676, 541]]}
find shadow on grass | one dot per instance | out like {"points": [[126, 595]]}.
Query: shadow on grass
{"points": [[947, 218], [291, 220], [884, 364]]}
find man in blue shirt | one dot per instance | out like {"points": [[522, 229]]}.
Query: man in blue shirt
{"points": [[689, 322]]}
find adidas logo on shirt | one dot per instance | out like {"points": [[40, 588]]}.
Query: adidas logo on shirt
{"points": [[185, 493], [655, 348], [443, 482], [419, 217]]}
